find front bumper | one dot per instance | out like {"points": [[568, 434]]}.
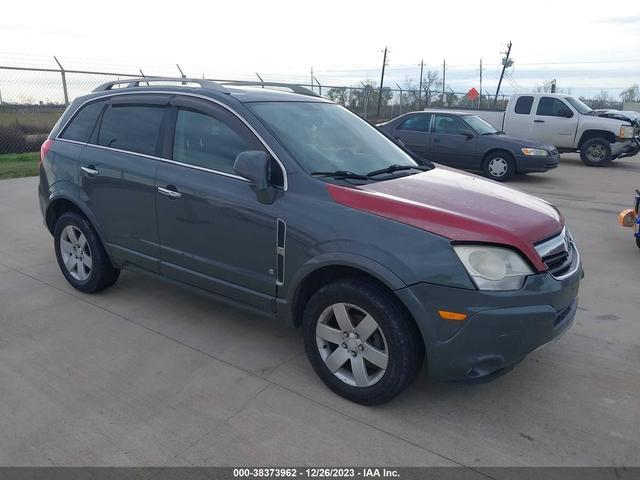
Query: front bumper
{"points": [[532, 164], [501, 327], [626, 148]]}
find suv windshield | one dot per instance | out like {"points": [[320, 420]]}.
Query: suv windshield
{"points": [[325, 137], [479, 125], [578, 105]]}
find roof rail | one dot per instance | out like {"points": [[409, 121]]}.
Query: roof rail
{"points": [[294, 87], [135, 82]]}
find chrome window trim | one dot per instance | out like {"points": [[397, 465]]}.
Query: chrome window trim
{"points": [[187, 94]]}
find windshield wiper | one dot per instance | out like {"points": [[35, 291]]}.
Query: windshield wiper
{"points": [[342, 174], [397, 168]]}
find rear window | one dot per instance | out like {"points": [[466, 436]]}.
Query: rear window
{"points": [[132, 128], [82, 124], [416, 123], [523, 105]]}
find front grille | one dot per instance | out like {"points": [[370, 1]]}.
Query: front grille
{"points": [[558, 253]]}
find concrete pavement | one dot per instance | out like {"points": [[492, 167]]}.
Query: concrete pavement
{"points": [[146, 373]]}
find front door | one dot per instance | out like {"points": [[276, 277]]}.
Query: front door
{"points": [[554, 123], [214, 233], [453, 143]]}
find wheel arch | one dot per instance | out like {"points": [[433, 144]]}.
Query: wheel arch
{"points": [[493, 150], [589, 134]]}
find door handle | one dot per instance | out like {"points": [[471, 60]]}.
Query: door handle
{"points": [[90, 170], [169, 192], [538, 121], [435, 140]]}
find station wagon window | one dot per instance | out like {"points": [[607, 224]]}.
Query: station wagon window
{"points": [[134, 128], [523, 105], [81, 126], [553, 107], [447, 124], [206, 141], [416, 123]]}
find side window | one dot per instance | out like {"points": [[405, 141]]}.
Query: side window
{"points": [[447, 124], [416, 123], [214, 142], [553, 107], [83, 123], [523, 105], [134, 128]]}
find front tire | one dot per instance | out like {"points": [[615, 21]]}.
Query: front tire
{"points": [[360, 342], [596, 152], [81, 256], [499, 166]]}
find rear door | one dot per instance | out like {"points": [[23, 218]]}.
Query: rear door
{"points": [[117, 173], [554, 123], [413, 131], [520, 117], [450, 145], [214, 233]]}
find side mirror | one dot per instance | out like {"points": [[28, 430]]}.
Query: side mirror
{"points": [[254, 166], [466, 133], [399, 142]]}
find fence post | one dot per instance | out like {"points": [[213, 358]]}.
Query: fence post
{"points": [[64, 82], [319, 86]]}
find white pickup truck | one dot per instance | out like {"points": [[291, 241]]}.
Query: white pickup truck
{"points": [[564, 121]]}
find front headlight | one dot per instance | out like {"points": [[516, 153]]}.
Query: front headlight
{"points": [[626, 131], [538, 152], [493, 268]]}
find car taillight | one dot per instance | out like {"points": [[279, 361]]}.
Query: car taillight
{"points": [[44, 149]]}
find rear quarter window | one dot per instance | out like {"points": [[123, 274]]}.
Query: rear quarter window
{"points": [[523, 105], [83, 122]]}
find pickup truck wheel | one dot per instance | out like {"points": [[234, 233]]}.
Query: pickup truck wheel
{"points": [[360, 342], [596, 152], [499, 166]]}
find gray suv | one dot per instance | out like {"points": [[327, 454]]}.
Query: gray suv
{"points": [[290, 205]]}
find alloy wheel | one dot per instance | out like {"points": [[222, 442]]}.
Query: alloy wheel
{"points": [[76, 254], [352, 345], [596, 153]]}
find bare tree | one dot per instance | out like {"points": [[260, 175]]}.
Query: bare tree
{"points": [[631, 94]]}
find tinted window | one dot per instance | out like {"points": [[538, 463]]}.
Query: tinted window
{"points": [[446, 124], [205, 141], [552, 107], [523, 105], [417, 123], [82, 124], [131, 128]]}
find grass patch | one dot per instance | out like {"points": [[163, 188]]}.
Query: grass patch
{"points": [[16, 165], [36, 121]]}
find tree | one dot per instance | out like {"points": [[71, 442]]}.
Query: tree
{"points": [[339, 95], [631, 94]]}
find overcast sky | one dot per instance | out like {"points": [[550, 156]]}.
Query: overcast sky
{"points": [[584, 45]]}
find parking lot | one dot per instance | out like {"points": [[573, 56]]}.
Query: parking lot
{"points": [[146, 373]]}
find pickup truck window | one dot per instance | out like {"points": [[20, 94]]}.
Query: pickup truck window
{"points": [[578, 105], [447, 124], [523, 105], [553, 107], [416, 123]]}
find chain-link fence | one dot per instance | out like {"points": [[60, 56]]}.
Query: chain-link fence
{"points": [[32, 99]]}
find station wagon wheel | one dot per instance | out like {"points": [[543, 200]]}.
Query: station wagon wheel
{"points": [[352, 345], [360, 341], [76, 253], [499, 166], [81, 255]]}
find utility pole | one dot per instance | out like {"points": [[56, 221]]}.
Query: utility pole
{"points": [[311, 79], [64, 82], [399, 88], [384, 64], [506, 62], [444, 77], [480, 99], [420, 88], [553, 86]]}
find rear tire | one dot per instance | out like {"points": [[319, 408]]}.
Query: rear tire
{"points": [[499, 166], [596, 152], [360, 342], [81, 256]]}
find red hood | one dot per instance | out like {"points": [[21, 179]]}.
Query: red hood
{"points": [[459, 206]]}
